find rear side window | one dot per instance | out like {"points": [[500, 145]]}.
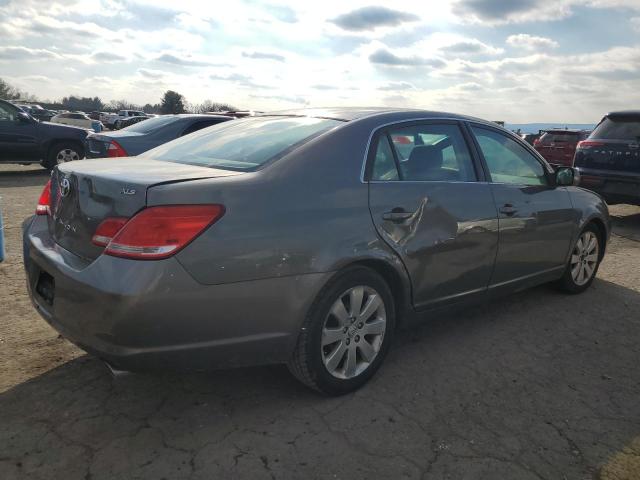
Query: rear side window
{"points": [[618, 128], [427, 152], [507, 160], [243, 144]]}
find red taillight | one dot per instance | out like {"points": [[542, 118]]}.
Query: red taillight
{"points": [[107, 230], [536, 142], [44, 202], [589, 144], [115, 150], [159, 232]]}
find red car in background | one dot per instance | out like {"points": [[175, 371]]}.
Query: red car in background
{"points": [[558, 146]]}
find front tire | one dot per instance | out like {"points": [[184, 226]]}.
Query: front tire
{"points": [[63, 152], [583, 262], [347, 333]]}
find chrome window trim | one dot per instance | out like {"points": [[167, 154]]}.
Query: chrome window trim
{"points": [[410, 120]]}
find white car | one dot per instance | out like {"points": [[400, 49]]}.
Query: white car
{"points": [[78, 120]]}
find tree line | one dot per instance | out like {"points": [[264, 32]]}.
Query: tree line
{"points": [[171, 102]]}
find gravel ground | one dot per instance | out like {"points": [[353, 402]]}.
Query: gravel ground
{"points": [[536, 386]]}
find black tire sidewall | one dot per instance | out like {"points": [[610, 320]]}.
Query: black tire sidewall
{"points": [[56, 147], [351, 278]]}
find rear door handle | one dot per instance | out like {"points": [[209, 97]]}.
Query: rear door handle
{"points": [[396, 216], [508, 209]]}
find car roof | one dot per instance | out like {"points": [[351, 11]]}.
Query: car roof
{"points": [[566, 130], [624, 113], [347, 114]]}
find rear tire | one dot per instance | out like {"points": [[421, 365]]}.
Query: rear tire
{"points": [[62, 152], [584, 261], [346, 334]]}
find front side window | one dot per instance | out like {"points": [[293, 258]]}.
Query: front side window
{"points": [[427, 152], [243, 144], [507, 160], [7, 114]]}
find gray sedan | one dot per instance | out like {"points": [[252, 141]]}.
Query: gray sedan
{"points": [[145, 135], [304, 237]]}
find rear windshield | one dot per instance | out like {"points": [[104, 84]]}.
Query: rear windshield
{"points": [[151, 124], [243, 144], [616, 128], [560, 137]]}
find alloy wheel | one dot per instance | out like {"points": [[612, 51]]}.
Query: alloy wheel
{"points": [[584, 258], [67, 155], [353, 332]]}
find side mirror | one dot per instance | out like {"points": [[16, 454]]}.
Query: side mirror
{"points": [[567, 176], [23, 117]]}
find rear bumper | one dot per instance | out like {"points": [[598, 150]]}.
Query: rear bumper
{"points": [[613, 186], [153, 314]]}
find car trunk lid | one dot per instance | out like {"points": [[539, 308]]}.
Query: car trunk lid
{"points": [[85, 192]]}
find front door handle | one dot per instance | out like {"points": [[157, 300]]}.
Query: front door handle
{"points": [[508, 209], [396, 215]]}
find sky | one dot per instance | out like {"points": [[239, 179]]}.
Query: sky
{"points": [[515, 60]]}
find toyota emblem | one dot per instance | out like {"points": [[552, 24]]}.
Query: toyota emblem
{"points": [[65, 187]]}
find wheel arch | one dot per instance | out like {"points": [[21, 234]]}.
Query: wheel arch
{"points": [[397, 281]]}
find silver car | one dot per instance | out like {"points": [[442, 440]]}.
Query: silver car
{"points": [[304, 237]]}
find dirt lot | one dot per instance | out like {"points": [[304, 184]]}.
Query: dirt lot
{"points": [[537, 386]]}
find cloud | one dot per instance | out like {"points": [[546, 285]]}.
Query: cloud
{"points": [[36, 78], [396, 101], [263, 56], [187, 61], [284, 98], [324, 87], [512, 11], [471, 47], [531, 42], [107, 57], [387, 58], [370, 18], [24, 53], [396, 86], [153, 74], [241, 80], [283, 13]]}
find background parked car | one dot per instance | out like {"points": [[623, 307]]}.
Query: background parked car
{"points": [[148, 134], [609, 160], [37, 112], [558, 146], [127, 122], [78, 120], [124, 114], [530, 138], [23, 139]]}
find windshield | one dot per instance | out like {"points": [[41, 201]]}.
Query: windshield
{"points": [[147, 126], [243, 144], [618, 128]]}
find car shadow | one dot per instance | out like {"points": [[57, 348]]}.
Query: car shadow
{"points": [[627, 226], [24, 178], [539, 383]]}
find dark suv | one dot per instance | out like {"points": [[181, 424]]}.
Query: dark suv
{"points": [[558, 146], [609, 160], [24, 140]]}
